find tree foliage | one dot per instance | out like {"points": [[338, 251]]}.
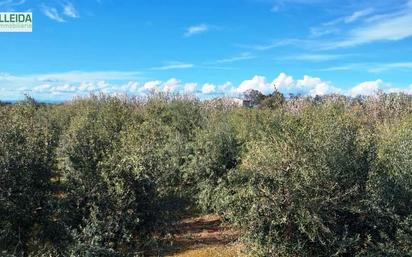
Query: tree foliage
{"points": [[298, 176]]}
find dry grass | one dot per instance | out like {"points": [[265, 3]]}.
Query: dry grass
{"points": [[210, 251], [204, 236]]}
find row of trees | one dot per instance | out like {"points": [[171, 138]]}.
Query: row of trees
{"points": [[105, 176]]}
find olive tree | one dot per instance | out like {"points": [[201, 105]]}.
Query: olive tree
{"points": [[298, 191], [27, 144]]}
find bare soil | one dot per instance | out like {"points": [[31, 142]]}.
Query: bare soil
{"points": [[202, 236]]}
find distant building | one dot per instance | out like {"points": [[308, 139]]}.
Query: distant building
{"points": [[230, 101], [247, 103], [234, 101]]}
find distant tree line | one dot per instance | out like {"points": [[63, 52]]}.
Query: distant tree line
{"points": [[298, 176], [255, 98]]}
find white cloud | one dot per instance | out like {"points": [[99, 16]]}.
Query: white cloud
{"points": [[357, 15], [286, 84], [315, 86], [131, 86], [283, 81], [226, 87], [86, 87], [49, 89], [52, 13], [257, 83], [170, 85], [334, 26], [390, 66], [65, 88], [366, 88], [70, 84], [313, 57], [277, 43], [389, 30], [197, 29], [322, 89], [407, 90], [103, 86], [241, 57], [69, 10], [98, 86], [382, 22], [41, 88], [281, 4], [322, 31], [388, 27], [152, 85], [372, 67], [190, 88], [208, 88], [174, 66]]}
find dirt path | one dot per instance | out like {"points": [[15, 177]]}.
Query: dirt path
{"points": [[203, 236]]}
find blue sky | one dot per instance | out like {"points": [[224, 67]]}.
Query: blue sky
{"points": [[207, 48]]}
